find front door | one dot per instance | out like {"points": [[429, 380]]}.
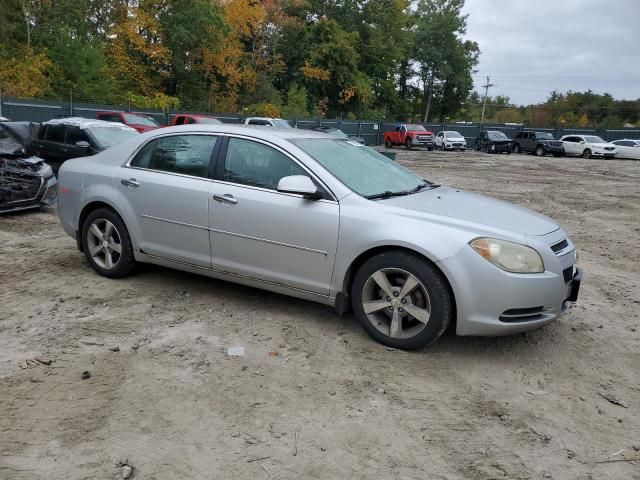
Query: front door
{"points": [[165, 194], [261, 233]]}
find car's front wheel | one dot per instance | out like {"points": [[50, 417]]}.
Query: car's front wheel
{"points": [[586, 153], [516, 148], [540, 151], [106, 244], [401, 300], [408, 144]]}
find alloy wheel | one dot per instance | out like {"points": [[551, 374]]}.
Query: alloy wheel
{"points": [[104, 243], [396, 303]]}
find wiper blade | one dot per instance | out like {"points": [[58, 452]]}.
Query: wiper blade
{"points": [[386, 194], [389, 194]]}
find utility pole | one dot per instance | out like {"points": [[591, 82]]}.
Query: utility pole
{"points": [[484, 101]]}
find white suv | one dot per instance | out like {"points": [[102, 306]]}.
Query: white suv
{"points": [[450, 140], [267, 122], [587, 146]]}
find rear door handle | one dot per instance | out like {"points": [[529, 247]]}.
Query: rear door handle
{"points": [[226, 198], [131, 182]]}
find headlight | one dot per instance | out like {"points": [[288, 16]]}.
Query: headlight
{"points": [[509, 256]]}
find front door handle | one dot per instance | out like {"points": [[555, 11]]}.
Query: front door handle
{"points": [[226, 198], [131, 182]]}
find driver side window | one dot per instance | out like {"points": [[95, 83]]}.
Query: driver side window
{"points": [[257, 165]]}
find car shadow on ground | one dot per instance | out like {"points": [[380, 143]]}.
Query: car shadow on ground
{"points": [[240, 297]]}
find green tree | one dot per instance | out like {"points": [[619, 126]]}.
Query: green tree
{"points": [[296, 102], [444, 61]]}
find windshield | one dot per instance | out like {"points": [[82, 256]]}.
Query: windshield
{"points": [[594, 139], [416, 128], [110, 136], [544, 136], [452, 134], [210, 121], [360, 168], [497, 136], [133, 119], [277, 122]]}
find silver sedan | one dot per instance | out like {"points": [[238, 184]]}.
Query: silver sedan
{"points": [[324, 219]]}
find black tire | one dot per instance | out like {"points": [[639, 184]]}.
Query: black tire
{"points": [[408, 144], [539, 151], [436, 286], [125, 261], [586, 153], [388, 144], [430, 149], [516, 149], [557, 155]]}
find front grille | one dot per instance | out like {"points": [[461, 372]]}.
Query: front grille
{"points": [[567, 274], [558, 247], [522, 314], [609, 148], [457, 144], [425, 137], [18, 187]]}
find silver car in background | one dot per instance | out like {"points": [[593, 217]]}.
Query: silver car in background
{"points": [[324, 219]]}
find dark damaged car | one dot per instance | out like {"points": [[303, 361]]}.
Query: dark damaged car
{"points": [[26, 181]]}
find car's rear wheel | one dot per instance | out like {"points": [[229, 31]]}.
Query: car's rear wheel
{"points": [[540, 151], [106, 244], [401, 300], [388, 144], [586, 153]]}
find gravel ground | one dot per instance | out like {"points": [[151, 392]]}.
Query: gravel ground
{"points": [[313, 396]]}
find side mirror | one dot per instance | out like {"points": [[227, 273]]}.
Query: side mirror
{"points": [[582, 142], [83, 144], [299, 184]]}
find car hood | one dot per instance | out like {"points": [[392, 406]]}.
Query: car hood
{"points": [[455, 139], [472, 207], [602, 145]]}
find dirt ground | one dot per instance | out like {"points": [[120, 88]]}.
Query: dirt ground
{"points": [[313, 396]]}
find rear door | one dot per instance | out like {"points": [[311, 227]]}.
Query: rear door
{"points": [[261, 233], [53, 142], [165, 191]]}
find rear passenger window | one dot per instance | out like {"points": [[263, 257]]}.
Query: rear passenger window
{"points": [[55, 133], [180, 120], [183, 154]]}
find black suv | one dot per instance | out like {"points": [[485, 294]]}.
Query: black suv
{"points": [[540, 143], [64, 138], [493, 141]]}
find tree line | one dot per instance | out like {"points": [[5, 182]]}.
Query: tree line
{"points": [[364, 58], [394, 59]]}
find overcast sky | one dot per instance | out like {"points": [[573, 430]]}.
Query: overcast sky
{"points": [[532, 47]]}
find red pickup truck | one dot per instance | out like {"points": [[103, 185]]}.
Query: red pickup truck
{"points": [[191, 118], [410, 135]]}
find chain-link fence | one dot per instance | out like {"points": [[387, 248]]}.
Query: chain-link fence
{"points": [[372, 131]]}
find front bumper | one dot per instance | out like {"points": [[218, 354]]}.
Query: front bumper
{"points": [[603, 154], [455, 146], [491, 302], [553, 149]]}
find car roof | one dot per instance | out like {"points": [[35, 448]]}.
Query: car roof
{"points": [[86, 123], [257, 131]]}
